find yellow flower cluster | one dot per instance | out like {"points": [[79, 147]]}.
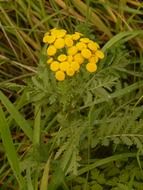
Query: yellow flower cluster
{"points": [[67, 52]]}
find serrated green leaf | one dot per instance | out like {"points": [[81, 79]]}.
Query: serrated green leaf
{"points": [[96, 186], [126, 140]]}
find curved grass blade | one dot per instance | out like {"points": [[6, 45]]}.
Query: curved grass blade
{"points": [[121, 37], [103, 161], [10, 149], [19, 119]]}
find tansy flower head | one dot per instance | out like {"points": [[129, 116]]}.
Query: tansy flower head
{"points": [[86, 53], [60, 75], [76, 36], [54, 66], [72, 50], [81, 45], [68, 41], [75, 65], [85, 40], [61, 33], [59, 43], [49, 39], [58, 33], [78, 58], [91, 67], [51, 50], [93, 46], [93, 59], [62, 57], [70, 71], [99, 54], [64, 66], [67, 53]]}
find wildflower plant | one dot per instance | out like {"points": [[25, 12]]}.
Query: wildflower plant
{"points": [[67, 53], [72, 96]]}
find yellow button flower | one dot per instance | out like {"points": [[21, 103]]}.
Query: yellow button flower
{"points": [[80, 46], [68, 51], [60, 75], [72, 50], [78, 58], [49, 60], [91, 67], [76, 36], [51, 50], [85, 40], [61, 33], [93, 59], [75, 66], [58, 33], [59, 43], [93, 46], [69, 58], [54, 66], [68, 41], [49, 39], [54, 32], [62, 57], [86, 53], [99, 54], [68, 36], [70, 72], [64, 66]]}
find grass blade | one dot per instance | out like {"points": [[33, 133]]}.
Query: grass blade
{"points": [[37, 123], [124, 36], [44, 180], [103, 161], [19, 119], [10, 149]]}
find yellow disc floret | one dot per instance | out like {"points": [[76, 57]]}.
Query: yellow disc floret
{"points": [[70, 71], [49, 39], [85, 40], [78, 58], [99, 54], [68, 41], [72, 50], [51, 50], [69, 58], [93, 46], [62, 57], [86, 53], [75, 66], [93, 59], [91, 67], [64, 66], [54, 66], [58, 33], [76, 36], [59, 43], [61, 33], [80, 46], [60, 75]]}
